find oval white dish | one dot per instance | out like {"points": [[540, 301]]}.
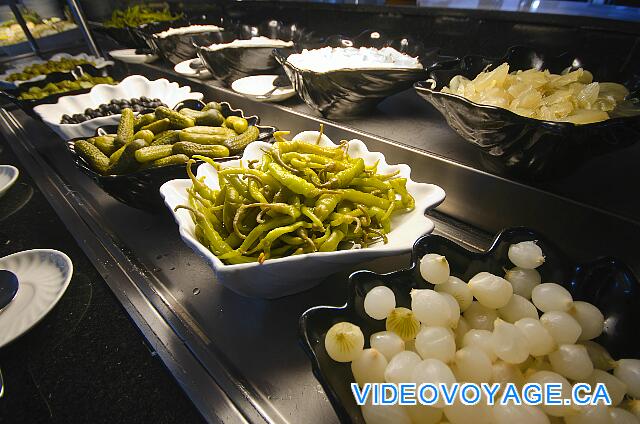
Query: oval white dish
{"points": [[130, 56], [8, 176], [256, 85], [183, 68], [133, 86], [99, 63], [285, 276], [44, 276]]}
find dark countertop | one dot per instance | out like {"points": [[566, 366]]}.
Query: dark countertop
{"points": [[85, 361]]}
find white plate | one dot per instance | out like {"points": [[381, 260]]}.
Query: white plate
{"points": [[183, 68], [261, 84], [284, 276], [133, 86], [8, 176], [44, 275], [99, 62], [130, 56]]}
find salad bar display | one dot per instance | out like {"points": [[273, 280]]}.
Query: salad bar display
{"points": [[226, 225]]}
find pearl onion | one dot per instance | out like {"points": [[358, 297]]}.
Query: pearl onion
{"points": [[590, 319], [526, 254], [435, 372], [454, 310], [369, 367], [424, 414], [384, 414], [628, 371], [430, 307], [387, 342], [521, 414], [509, 344], [615, 387], [379, 302], [344, 342], [436, 342], [523, 280], [518, 308], [571, 361], [563, 327], [551, 297], [401, 367], [480, 317], [548, 377], [481, 339], [539, 339], [590, 415], [503, 373], [434, 268], [458, 289], [621, 416], [490, 290], [472, 365], [461, 330], [601, 359]]}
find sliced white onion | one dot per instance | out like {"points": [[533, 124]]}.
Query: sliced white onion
{"points": [[538, 337], [369, 367], [526, 254], [571, 361], [344, 342], [430, 307], [551, 297], [563, 327], [472, 365], [590, 319], [490, 290], [517, 308], [437, 343], [458, 289], [480, 317], [379, 302], [628, 370], [434, 268], [387, 342], [523, 280], [509, 344], [400, 368]]}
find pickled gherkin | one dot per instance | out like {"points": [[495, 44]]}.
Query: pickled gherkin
{"points": [[94, 157], [177, 120], [125, 128]]}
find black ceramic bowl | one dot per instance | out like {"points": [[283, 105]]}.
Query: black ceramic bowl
{"points": [[526, 147], [141, 189], [606, 283], [230, 64], [126, 37], [180, 47], [349, 92]]}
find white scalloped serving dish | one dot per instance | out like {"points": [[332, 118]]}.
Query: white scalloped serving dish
{"points": [[99, 63], [44, 275], [171, 93], [285, 276]]}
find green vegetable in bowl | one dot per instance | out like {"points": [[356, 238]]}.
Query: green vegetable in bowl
{"points": [[137, 15], [61, 65], [85, 81], [299, 198]]}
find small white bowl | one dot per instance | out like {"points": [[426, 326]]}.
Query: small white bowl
{"points": [[131, 87], [44, 276], [99, 63], [8, 176], [285, 276], [183, 68], [130, 56], [257, 85]]}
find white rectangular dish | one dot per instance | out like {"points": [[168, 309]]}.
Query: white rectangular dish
{"points": [[285, 276], [131, 87]]}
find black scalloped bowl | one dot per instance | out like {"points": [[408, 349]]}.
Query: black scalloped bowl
{"points": [[230, 64], [141, 189], [525, 147], [180, 47], [350, 92], [606, 283]]}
